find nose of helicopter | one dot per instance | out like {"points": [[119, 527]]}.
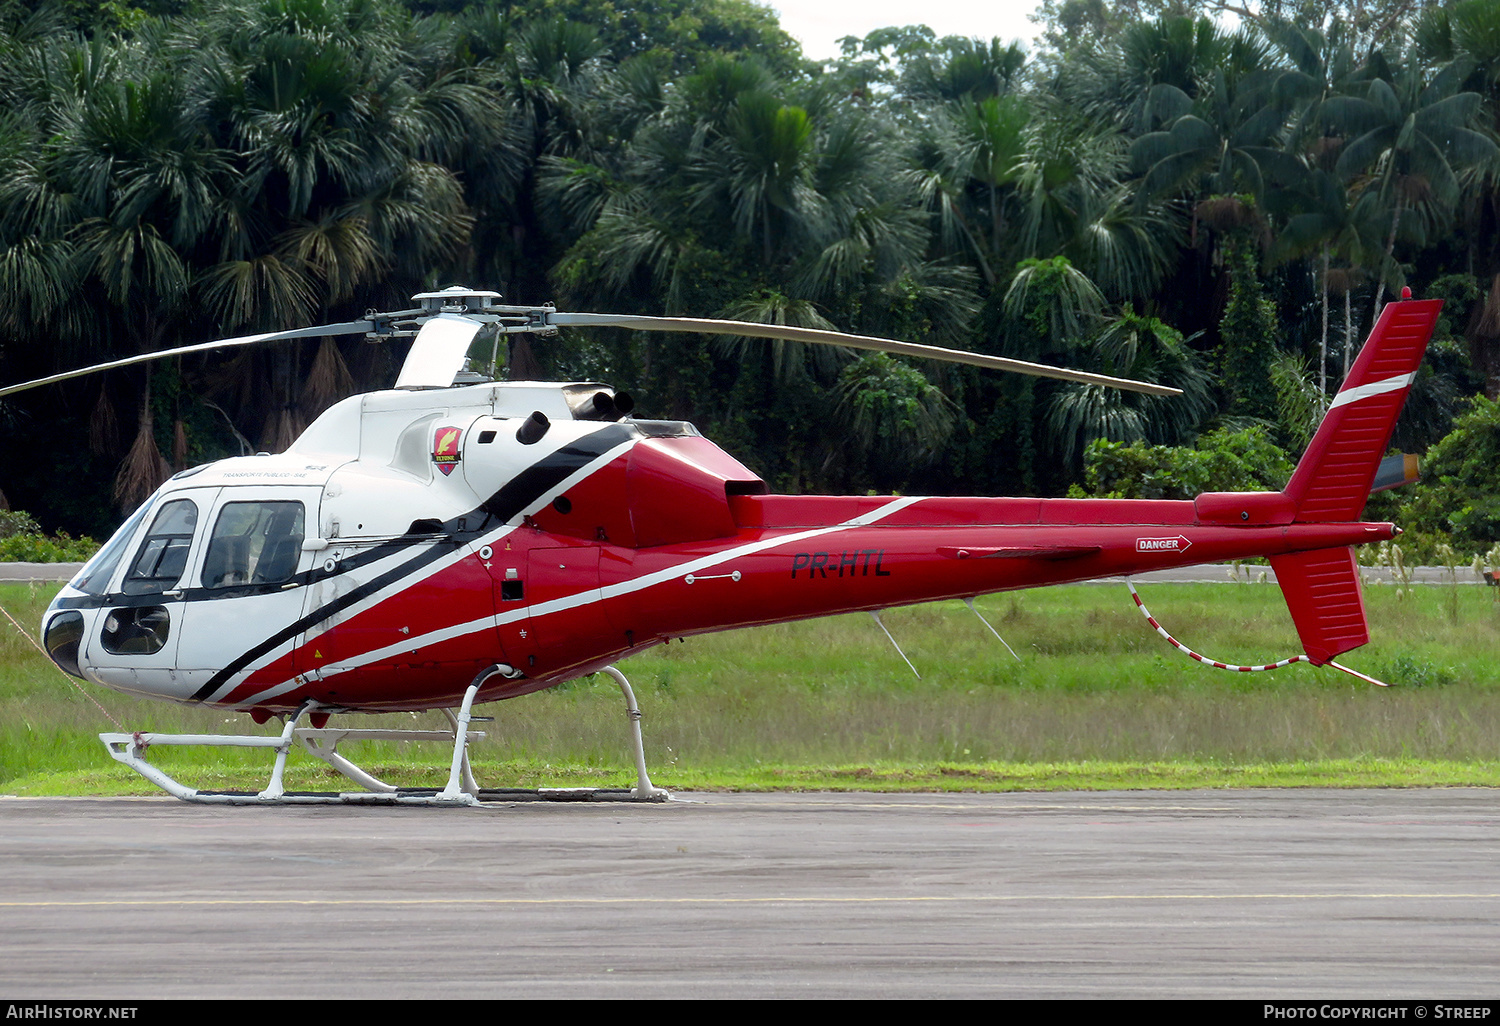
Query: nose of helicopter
{"points": [[62, 633]]}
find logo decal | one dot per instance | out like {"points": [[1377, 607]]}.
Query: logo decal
{"points": [[1178, 544], [445, 449]]}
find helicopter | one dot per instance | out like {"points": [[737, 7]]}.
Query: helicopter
{"points": [[443, 544]]}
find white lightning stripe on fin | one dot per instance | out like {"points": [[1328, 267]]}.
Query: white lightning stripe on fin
{"points": [[1358, 392]]}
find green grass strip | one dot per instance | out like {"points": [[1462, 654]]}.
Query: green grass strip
{"points": [[889, 778], [1096, 700]]}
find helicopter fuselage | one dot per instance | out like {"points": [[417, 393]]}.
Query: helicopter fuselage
{"points": [[410, 539]]}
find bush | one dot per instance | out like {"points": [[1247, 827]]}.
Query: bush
{"points": [[1460, 490], [22, 541], [15, 521], [1220, 461], [1418, 673]]}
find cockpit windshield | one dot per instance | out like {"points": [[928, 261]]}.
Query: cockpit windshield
{"points": [[163, 555], [94, 578]]}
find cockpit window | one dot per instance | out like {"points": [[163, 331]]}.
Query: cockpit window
{"points": [[93, 579], [163, 555], [254, 543]]}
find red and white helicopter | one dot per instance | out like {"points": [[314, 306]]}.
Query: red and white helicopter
{"points": [[437, 545]]}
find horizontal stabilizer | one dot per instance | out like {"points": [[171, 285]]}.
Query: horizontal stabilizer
{"points": [[1322, 591]]}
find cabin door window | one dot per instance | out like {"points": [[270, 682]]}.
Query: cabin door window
{"points": [[254, 544]]}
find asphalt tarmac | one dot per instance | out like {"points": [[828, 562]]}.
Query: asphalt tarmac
{"points": [[1350, 895]]}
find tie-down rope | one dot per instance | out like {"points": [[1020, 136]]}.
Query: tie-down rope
{"points": [[1231, 666]]}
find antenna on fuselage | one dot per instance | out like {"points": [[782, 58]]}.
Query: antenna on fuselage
{"points": [[900, 653], [970, 603]]}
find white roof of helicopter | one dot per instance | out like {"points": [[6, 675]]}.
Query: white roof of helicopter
{"points": [[372, 454], [368, 427]]}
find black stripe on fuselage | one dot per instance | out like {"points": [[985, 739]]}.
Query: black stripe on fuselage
{"points": [[547, 473], [459, 526], [520, 492], [323, 612]]}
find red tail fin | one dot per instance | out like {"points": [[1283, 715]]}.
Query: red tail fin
{"points": [[1321, 588], [1333, 480]]}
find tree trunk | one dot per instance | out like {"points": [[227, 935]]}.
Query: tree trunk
{"points": [[1323, 342], [1348, 334], [1390, 249]]}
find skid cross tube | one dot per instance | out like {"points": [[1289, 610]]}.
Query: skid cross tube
{"points": [[322, 742], [130, 749]]}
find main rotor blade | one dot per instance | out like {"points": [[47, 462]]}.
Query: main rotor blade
{"points": [[347, 328], [838, 338]]}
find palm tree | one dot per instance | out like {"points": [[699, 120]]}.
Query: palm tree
{"points": [[1144, 348], [1412, 134], [1224, 144], [253, 170], [1074, 201], [1324, 220], [1322, 65], [892, 416], [963, 69], [1116, 80], [987, 144]]}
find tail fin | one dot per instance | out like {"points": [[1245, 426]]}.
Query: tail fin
{"points": [[1321, 588], [1334, 478], [1332, 483]]}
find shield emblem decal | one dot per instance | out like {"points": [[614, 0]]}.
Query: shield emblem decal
{"points": [[445, 452]]}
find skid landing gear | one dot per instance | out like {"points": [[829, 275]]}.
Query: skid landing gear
{"points": [[461, 789]]}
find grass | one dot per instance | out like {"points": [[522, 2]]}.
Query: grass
{"points": [[1096, 701]]}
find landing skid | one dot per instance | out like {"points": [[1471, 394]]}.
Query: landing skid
{"points": [[461, 789]]}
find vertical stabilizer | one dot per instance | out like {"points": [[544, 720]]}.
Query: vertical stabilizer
{"points": [[1332, 483]]}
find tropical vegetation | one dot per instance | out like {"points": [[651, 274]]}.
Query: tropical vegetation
{"points": [[1152, 192]]}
